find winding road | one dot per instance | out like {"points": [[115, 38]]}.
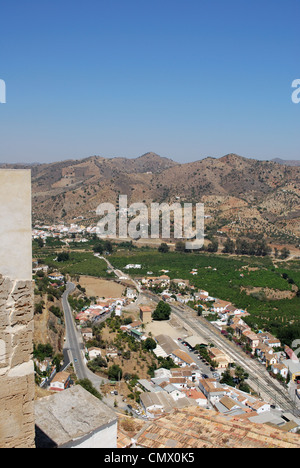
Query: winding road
{"points": [[74, 347], [259, 379]]}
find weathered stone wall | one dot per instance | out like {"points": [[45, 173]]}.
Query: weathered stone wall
{"points": [[17, 428]]}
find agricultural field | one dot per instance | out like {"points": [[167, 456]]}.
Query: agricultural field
{"points": [[268, 290], [247, 282], [77, 264]]}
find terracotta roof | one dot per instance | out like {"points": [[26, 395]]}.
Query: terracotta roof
{"points": [[183, 356], [195, 394], [145, 309], [195, 427]]}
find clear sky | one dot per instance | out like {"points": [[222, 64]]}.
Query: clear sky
{"points": [[183, 78]]}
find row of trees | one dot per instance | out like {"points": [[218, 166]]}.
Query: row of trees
{"points": [[242, 246], [258, 247]]}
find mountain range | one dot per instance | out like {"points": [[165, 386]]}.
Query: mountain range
{"points": [[239, 193]]}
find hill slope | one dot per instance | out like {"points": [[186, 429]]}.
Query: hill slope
{"points": [[239, 193]]}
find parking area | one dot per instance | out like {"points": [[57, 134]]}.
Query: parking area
{"points": [[205, 368]]}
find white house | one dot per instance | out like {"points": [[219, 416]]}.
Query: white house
{"points": [[94, 352], [197, 396], [60, 382], [131, 265], [56, 276], [182, 358], [162, 372], [131, 293], [259, 406], [280, 369]]}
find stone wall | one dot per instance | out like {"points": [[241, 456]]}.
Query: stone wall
{"points": [[16, 366], [17, 428]]}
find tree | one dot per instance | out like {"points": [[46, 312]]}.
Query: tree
{"points": [[227, 378], [213, 246], [240, 374], [229, 246], [284, 253], [115, 372], [39, 242], [180, 246], [163, 248], [63, 257], [87, 385], [41, 351], [162, 311], [149, 344], [98, 248], [108, 247], [39, 307]]}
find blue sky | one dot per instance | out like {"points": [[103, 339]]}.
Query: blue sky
{"points": [[185, 79]]}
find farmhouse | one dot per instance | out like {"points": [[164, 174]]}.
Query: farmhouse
{"points": [[94, 352], [60, 382], [220, 306]]}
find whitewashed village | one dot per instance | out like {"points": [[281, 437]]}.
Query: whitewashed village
{"points": [[203, 374]]}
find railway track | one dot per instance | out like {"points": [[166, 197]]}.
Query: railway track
{"points": [[259, 379]]}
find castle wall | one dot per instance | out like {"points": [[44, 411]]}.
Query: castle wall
{"points": [[17, 429]]}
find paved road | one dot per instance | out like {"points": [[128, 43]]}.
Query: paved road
{"points": [[119, 273], [74, 347], [259, 379]]}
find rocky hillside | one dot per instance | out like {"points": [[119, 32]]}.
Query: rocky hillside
{"points": [[239, 193]]}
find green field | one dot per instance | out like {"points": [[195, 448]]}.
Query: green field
{"points": [[221, 276], [80, 263]]}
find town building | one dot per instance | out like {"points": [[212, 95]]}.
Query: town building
{"points": [[182, 358], [145, 314], [220, 358], [60, 382]]}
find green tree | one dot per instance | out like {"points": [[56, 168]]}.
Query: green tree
{"points": [[213, 246], [87, 385], [149, 344], [180, 246], [115, 372], [162, 311], [98, 248], [229, 246], [163, 248], [284, 253], [63, 257]]}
